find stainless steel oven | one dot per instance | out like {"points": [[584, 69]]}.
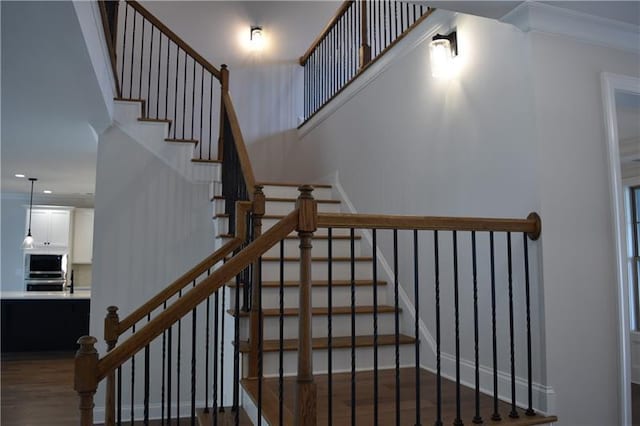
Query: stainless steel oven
{"points": [[45, 272]]}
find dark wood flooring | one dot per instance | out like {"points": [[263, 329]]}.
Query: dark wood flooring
{"points": [[341, 400]]}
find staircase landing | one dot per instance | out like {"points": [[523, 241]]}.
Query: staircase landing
{"points": [[386, 397]]}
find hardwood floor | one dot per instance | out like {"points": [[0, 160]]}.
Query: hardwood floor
{"points": [[341, 401], [37, 389]]}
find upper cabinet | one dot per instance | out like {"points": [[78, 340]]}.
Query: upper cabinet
{"points": [[83, 236], [49, 228]]}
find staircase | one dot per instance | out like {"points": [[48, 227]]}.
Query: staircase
{"points": [[292, 320]]}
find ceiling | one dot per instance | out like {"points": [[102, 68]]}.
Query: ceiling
{"points": [[53, 108]]}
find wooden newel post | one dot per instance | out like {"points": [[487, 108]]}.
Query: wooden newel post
{"points": [[306, 388], [255, 320], [365, 48], [111, 333], [86, 377], [224, 89]]}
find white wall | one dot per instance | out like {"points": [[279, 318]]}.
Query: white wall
{"points": [[151, 225], [578, 256], [12, 235]]}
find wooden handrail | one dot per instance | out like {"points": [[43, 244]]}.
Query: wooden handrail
{"points": [[195, 296], [242, 208], [175, 38], [243, 155], [341, 11], [532, 225]]}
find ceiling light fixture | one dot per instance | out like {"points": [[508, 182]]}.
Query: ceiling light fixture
{"points": [[19, 175], [256, 38], [47, 191], [28, 240], [443, 49]]}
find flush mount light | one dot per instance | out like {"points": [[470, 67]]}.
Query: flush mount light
{"points": [[443, 49], [256, 38], [47, 191], [19, 175]]}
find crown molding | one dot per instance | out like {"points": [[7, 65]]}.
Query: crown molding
{"points": [[545, 18]]}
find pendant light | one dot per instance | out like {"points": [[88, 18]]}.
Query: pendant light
{"points": [[28, 240]]}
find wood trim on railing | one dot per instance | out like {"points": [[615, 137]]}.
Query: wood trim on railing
{"points": [[341, 11], [531, 225], [175, 38], [196, 295], [110, 40], [243, 155]]}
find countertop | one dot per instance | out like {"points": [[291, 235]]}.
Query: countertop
{"points": [[45, 295]]}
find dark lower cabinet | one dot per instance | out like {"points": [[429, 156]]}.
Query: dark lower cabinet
{"points": [[43, 325]]}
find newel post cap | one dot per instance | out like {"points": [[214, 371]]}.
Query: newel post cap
{"points": [[259, 200], [307, 210], [535, 234]]}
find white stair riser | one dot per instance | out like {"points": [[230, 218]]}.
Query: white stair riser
{"points": [[339, 248], [286, 207], [341, 270], [341, 296], [341, 359], [340, 326], [292, 192]]}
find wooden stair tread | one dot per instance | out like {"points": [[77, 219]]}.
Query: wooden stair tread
{"points": [[204, 160], [293, 200], [224, 418], [334, 283], [295, 185], [335, 310], [320, 259], [340, 342], [193, 141]]}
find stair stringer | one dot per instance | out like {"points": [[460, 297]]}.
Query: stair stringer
{"points": [[151, 135], [544, 397]]}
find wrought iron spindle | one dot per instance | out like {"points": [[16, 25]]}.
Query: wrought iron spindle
{"points": [[119, 399], [477, 419], [141, 61], [436, 268], [193, 364], [530, 411], [124, 48], [375, 327], [416, 324], [146, 385], [495, 416], [281, 339], [396, 284], [133, 381], [353, 326], [456, 301], [514, 413], [330, 323]]}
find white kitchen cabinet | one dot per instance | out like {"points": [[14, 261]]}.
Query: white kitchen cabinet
{"points": [[83, 236], [49, 228]]}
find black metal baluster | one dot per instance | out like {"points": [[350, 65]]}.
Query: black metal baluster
{"points": [[184, 97], [210, 113], [149, 79], [477, 419], [514, 413], [224, 296], [330, 323], [146, 385], [496, 415], [166, 89], [170, 346], [214, 392], [178, 358], [236, 348], [396, 315], [163, 378], [281, 340], [175, 96], [133, 380], [375, 326], [119, 401], [395, 11], [458, 419], [353, 327], [206, 354], [193, 99], [124, 47], [436, 256], [260, 335], [530, 411], [133, 47], [141, 62], [201, 104], [416, 324], [193, 364], [158, 79]]}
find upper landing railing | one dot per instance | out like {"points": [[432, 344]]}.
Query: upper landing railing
{"points": [[358, 34]]}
